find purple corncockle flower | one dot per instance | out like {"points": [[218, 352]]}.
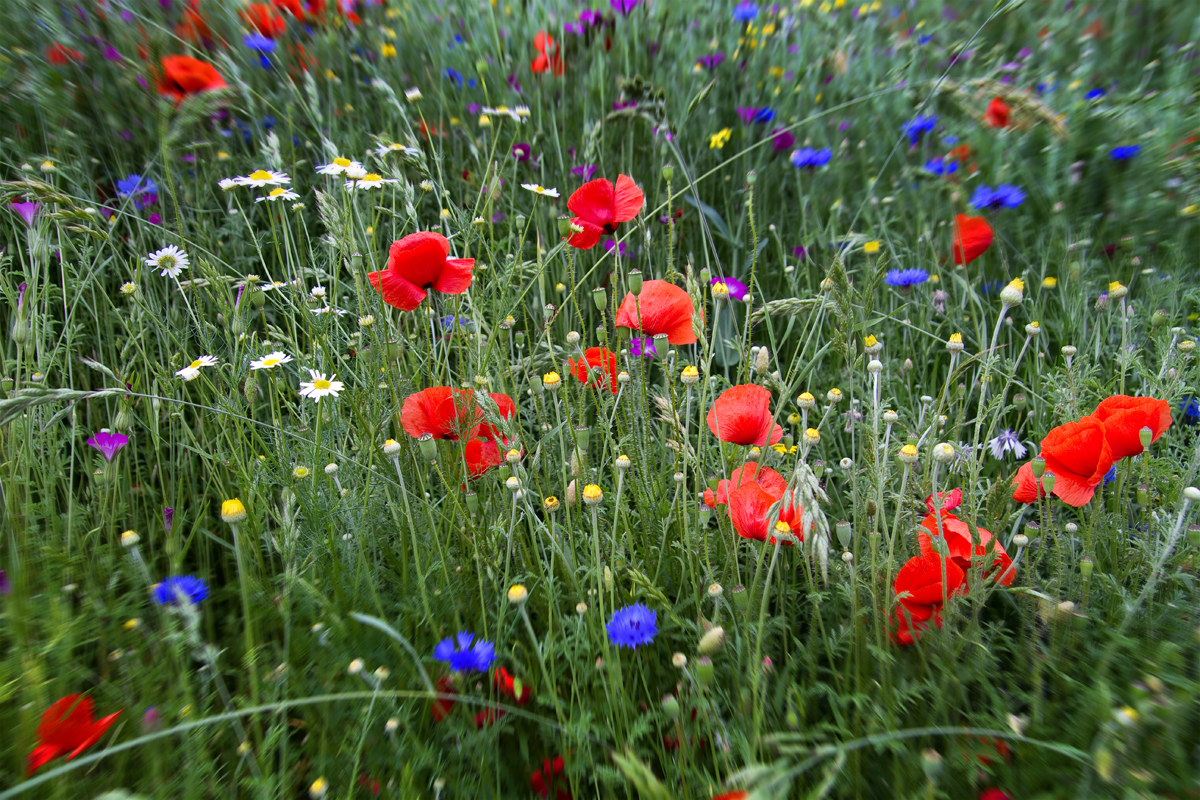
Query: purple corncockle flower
{"points": [[573, 27], [521, 151], [711, 61], [499, 217], [168, 518], [108, 443], [21, 297], [514, 83], [584, 171], [111, 53], [590, 17], [5, 584], [624, 7], [800, 252], [151, 720], [620, 105], [642, 346], [26, 211], [154, 219], [737, 289], [782, 141], [621, 248], [127, 16]]}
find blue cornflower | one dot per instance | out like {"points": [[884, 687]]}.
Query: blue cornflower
{"points": [[632, 626], [259, 43], [463, 653], [134, 185], [904, 278], [920, 125], [810, 158], [1007, 442], [1095, 94], [1111, 475], [941, 166], [1190, 408], [745, 11], [169, 592], [1124, 152], [988, 288], [450, 323], [455, 76], [1003, 196]]}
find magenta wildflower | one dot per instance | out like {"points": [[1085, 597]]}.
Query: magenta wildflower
{"points": [[26, 211], [782, 141], [168, 518], [108, 443]]}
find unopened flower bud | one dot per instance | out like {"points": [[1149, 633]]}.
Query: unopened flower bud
{"points": [[517, 594], [712, 641], [1012, 294], [943, 452]]}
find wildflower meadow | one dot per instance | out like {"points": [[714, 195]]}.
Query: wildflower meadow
{"points": [[483, 399]]}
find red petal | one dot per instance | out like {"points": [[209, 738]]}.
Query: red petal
{"points": [[1124, 417], [593, 202], [433, 411], [419, 257], [627, 199], [481, 456], [972, 238], [586, 239], [456, 277], [1026, 488], [665, 308], [1074, 490], [1079, 449], [748, 507], [742, 415], [93, 733], [397, 291]]}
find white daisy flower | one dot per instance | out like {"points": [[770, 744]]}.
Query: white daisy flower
{"points": [[317, 291], [356, 171], [329, 310], [502, 111], [320, 386], [412, 95], [263, 177], [192, 370], [278, 193], [369, 181], [366, 321], [171, 260], [522, 111], [384, 149], [227, 183], [271, 360], [339, 166], [536, 189]]}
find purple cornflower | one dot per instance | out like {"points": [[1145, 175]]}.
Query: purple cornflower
{"points": [[1007, 442], [1124, 152], [26, 211], [522, 151], [514, 84], [584, 171], [632, 626], [168, 518], [737, 289], [782, 141], [807, 157], [745, 11], [1005, 195], [108, 443], [918, 126], [711, 61], [905, 278], [169, 592], [463, 653], [642, 346]]}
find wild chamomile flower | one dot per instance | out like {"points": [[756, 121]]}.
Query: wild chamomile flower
{"points": [[371, 180], [171, 260], [320, 386], [337, 167], [542, 190], [128, 288], [412, 95], [227, 183], [385, 149], [192, 370], [271, 360], [503, 111], [522, 112], [263, 177], [278, 193]]}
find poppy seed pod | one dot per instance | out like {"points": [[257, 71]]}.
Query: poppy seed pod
{"points": [[1086, 565], [668, 172], [428, 446], [1038, 467], [703, 670], [1020, 401], [472, 502], [600, 298], [1146, 436], [740, 597], [670, 705], [634, 281], [1048, 482], [844, 533]]}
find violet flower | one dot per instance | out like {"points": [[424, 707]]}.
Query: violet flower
{"points": [[624, 7], [642, 346], [26, 211], [21, 297], [521, 151], [5, 583], [584, 171], [168, 518], [737, 289], [782, 141], [108, 443]]}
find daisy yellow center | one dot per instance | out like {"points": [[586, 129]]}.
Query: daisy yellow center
{"points": [[166, 261], [276, 192], [270, 362], [260, 175], [342, 162], [372, 177], [321, 384], [197, 364]]}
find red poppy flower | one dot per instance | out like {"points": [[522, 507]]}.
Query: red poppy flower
{"points": [[442, 705], [448, 413], [1026, 488], [661, 308], [67, 729], [593, 358], [487, 717], [994, 794], [193, 27], [367, 780], [742, 415], [972, 238], [184, 75], [737, 794], [547, 778], [60, 55], [418, 263], [770, 480], [997, 113], [482, 456], [1078, 454], [749, 507], [960, 153], [506, 685], [264, 19], [548, 58], [1124, 417], [921, 579], [599, 206], [292, 7], [958, 540]]}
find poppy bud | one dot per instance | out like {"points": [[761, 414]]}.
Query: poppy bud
{"points": [[843, 534], [713, 640], [670, 706], [1048, 483], [1020, 401], [740, 598], [1145, 436], [1143, 495], [428, 447], [582, 437], [600, 298], [793, 719], [931, 763], [634, 281], [481, 66], [704, 671], [668, 172], [1038, 466], [237, 325], [1086, 565]]}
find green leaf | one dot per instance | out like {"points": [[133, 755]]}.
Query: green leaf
{"points": [[699, 98], [715, 218]]}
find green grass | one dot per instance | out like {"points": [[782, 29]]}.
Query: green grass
{"points": [[252, 690]]}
